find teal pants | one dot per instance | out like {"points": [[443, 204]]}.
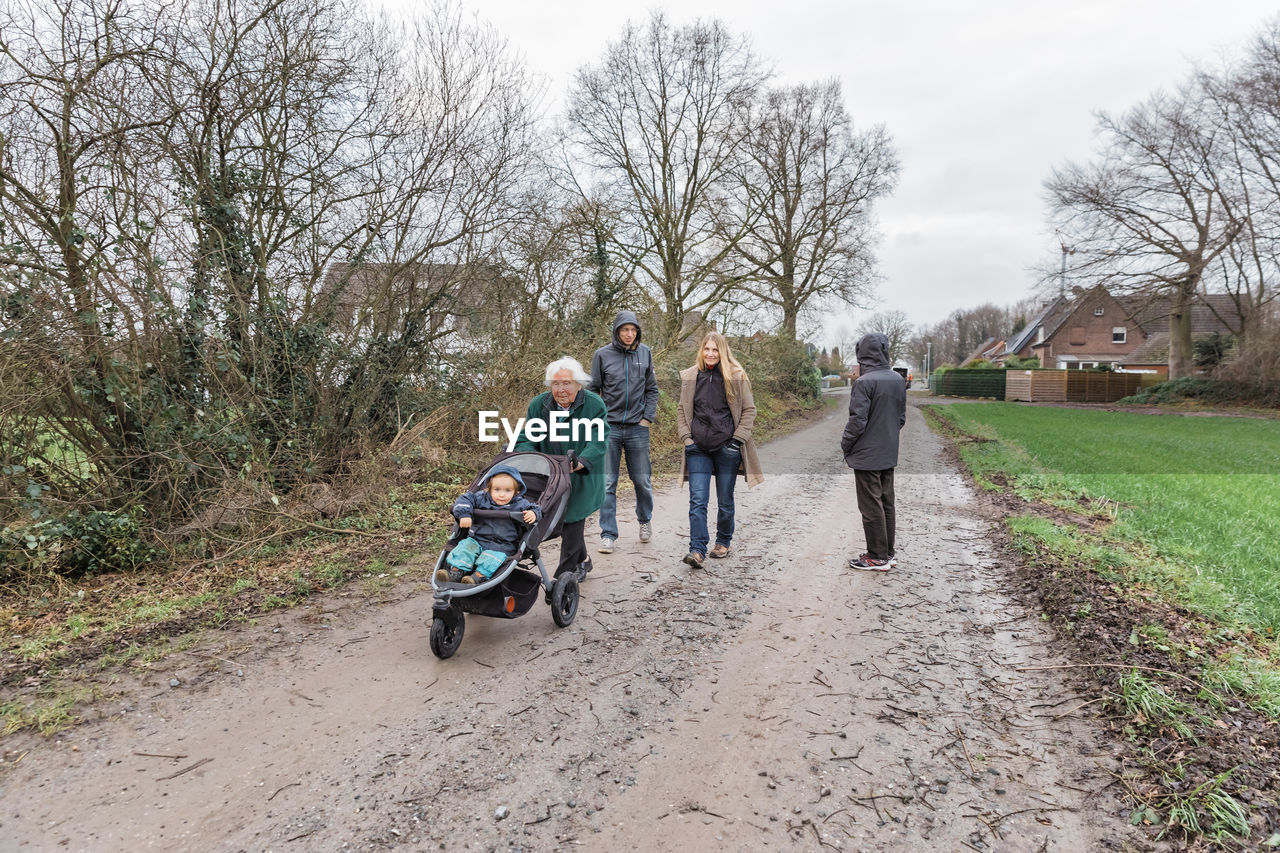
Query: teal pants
{"points": [[467, 555]]}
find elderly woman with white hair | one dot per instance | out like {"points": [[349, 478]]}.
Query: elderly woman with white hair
{"points": [[583, 436]]}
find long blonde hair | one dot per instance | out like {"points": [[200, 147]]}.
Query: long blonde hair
{"points": [[729, 366]]}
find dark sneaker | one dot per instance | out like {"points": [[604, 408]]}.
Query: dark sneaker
{"points": [[719, 551], [868, 563], [694, 559]]}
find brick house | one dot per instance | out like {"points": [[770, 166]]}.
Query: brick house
{"points": [[365, 301], [1093, 330], [1090, 330], [1096, 329]]}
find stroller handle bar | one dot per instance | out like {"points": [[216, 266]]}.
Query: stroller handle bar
{"points": [[515, 515]]}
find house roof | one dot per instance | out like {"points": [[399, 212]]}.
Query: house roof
{"points": [[988, 349], [1210, 312], [1024, 337], [1055, 318], [1154, 350]]}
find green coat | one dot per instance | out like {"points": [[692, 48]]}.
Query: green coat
{"points": [[586, 491]]}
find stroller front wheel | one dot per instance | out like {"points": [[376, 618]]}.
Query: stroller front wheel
{"points": [[564, 600], [446, 633]]}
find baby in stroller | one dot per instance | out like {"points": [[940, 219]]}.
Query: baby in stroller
{"points": [[492, 539]]}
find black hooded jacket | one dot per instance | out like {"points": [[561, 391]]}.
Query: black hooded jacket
{"points": [[623, 376], [877, 409]]}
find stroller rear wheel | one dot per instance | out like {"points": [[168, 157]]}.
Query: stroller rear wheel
{"points": [[446, 632], [564, 599]]}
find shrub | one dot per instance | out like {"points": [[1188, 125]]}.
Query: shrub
{"points": [[1202, 389], [98, 541], [1211, 350], [79, 543], [1256, 370], [783, 367]]}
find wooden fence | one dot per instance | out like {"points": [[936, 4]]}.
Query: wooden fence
{"points": [[1070, 386]]}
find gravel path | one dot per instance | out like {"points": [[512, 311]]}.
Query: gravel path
{"points": [[777, 700]]}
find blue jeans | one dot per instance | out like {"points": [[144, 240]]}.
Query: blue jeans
{"points": [[631, 440], [723, 464]]}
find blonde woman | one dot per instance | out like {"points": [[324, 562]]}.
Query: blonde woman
{"points": [[714, 418]]}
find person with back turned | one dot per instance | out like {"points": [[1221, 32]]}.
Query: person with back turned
{"points": [[877, 412]]}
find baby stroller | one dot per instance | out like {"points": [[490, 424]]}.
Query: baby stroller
{"points": [[514, 586]]}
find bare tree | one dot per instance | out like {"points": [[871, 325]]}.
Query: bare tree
{"points": [[964, 330], [893, 325], [75, 103], [660, 123], [190, 194], [805, 195], [1151, 216], [1245, 97]]}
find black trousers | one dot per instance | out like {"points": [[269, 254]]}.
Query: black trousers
{"points": [[573, 547], [875, 502]]}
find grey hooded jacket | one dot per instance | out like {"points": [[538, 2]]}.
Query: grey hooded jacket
{"points": [[877, 409], [623, 376]]}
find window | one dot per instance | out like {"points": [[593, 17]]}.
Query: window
{"points": [[1099, 311], [1119, 334]]}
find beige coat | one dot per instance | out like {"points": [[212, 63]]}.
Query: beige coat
{"points": [[743, 409]]}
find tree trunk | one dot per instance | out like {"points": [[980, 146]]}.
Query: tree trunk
{"points": [[789, 316], [1181, 361]]}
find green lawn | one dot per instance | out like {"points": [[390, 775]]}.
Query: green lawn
{"points": [[1203, 493]]}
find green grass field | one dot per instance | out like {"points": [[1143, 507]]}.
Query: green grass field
{"points": [[1202, 493]]}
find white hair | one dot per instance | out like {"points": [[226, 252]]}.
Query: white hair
{"points": [[570, 364]]}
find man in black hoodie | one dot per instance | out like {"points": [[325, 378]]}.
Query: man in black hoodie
{"points": [[877, 411], [622, 374]]}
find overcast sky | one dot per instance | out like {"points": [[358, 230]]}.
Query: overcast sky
{"points": [[982, 99]]}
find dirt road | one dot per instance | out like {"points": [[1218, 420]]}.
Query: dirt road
{"points": [[778, 700]]}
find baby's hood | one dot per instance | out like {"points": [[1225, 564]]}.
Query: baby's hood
{"points": [[509, 471]]}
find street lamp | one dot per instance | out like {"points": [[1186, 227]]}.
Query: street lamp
{"points": [[928, 362]]}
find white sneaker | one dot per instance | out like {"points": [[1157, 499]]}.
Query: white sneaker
{"points": [[606, 546], [646, 531]]}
